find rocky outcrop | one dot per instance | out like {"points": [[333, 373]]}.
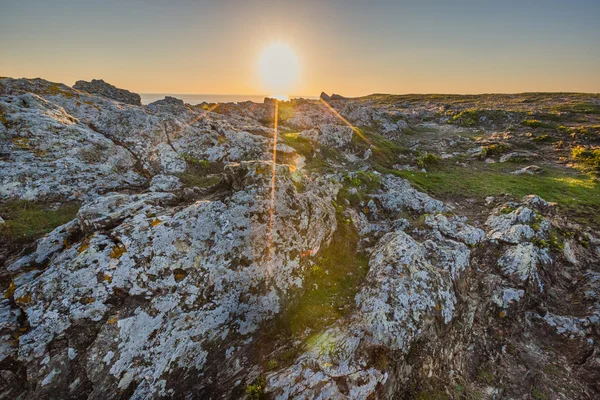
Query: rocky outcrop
{"points": [[213, 256], [99, 87]]}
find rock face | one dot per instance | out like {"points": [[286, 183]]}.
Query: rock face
{"points": [[214, 257], [99, 87]]}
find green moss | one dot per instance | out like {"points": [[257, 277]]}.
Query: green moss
{"points": [[331, 284], [26, 221], [428, 160]]}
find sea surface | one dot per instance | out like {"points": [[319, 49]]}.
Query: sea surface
{"points": [[194, 99]]}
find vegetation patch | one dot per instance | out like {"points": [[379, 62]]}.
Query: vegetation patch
{"points": [[578, 194], [589, 158], [357, 187], [474, 117], [304, 146], [428, 160], [384, 151], [494, 150], [582, 132], [331, 283], [579, 108], [542, 138], [26, 221], [256, 390], [189, 179], [534, 123]]}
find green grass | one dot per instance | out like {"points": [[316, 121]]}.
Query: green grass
{"points": [[384, 151], [363, 184], [578, 194], [26, 221], [331, 283], [304, 146]]}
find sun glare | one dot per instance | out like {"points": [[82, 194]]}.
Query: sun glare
{"points": [[279, 69]]}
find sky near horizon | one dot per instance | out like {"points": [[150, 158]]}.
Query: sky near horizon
{"points": [[343, 46]]}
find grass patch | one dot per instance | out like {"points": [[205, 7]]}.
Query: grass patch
{"points": [[357, 187], [578, 194], [384, 152], [331, 283], [27, 221], [304, 146]]}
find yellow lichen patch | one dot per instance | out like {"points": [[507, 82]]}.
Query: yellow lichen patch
{"points": [[259, 171], [10, 291], [88, 300], [84, 246], [107, 278], [25, 299], [117, 251], [179, 277], [502, 314], [221, 139], [155, 222], [22, 143], [55, 90], [40, 153], [112, 320]]}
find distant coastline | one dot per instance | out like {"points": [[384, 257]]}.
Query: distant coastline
{"points": [[210, 98]]}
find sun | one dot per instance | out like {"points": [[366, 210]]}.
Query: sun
{"points": [[279, 68]]}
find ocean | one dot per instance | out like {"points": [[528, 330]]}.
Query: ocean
{"points": [[194, 99]]}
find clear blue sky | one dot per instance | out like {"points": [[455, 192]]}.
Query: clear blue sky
{"points": [[349, 47]]}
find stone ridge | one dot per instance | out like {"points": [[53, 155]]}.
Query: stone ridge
{"points": [[98, 86]]}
